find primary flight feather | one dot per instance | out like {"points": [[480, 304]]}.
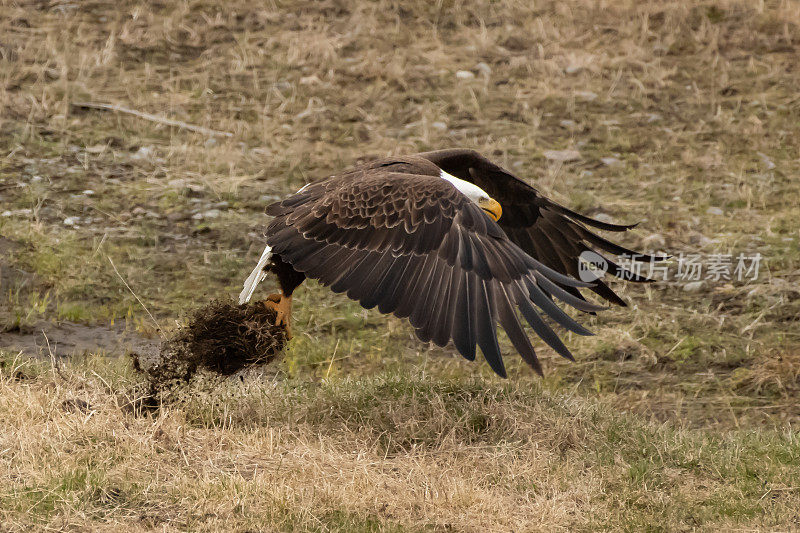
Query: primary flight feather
{"points": [[446, 239]]}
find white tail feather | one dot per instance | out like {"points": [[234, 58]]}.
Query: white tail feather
{"points": [[255, 277]]}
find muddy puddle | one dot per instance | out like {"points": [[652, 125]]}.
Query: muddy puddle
{"points": [[67, 338]]}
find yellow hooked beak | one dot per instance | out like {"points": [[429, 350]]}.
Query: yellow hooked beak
{"points": [[492, 207]]}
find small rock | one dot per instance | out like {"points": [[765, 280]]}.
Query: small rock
{"points": [[268, 198], [562, 155], [699, 239], [178, 216], [310, 80], [647, 170], [573, 69], [660, 49], [568, 124], [210, 142], [766, 160], [655, 240], [603, 217], [266, 152], [611, 161], [465, 75], [88, 192], [71, 221], [36, 179], [211, 213], [221, 205], [693, 286], [144, 152], [484, 69], [586, 96], [137, 211], [441, 126], [715, 211]]}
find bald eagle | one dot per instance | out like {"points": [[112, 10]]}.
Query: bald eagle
{"points": [[447, 239]]}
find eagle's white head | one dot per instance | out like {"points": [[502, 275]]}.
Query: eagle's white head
{"points": [[476, 194]]}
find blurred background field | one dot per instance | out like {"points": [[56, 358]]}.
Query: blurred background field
{"points": [[680, 413]]}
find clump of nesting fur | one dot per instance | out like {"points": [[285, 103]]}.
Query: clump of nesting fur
{"points": [[221, 338]]}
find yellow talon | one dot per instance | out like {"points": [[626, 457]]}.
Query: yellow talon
{"points": [[282, 305]]}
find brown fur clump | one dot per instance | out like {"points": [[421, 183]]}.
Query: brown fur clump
{"points": [[222, 337], [225, 337]]}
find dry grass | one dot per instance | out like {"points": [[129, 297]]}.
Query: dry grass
{"points": [[360, 427], [383, 453]]}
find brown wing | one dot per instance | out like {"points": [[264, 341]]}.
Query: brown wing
{"points": [[414, 246], [549, 232]]}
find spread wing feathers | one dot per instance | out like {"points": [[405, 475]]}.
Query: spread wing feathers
{"points": [[549, 232], [416, 247]]}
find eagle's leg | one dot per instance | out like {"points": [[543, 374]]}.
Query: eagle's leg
{"points": [[288, 280], [282, 305]]}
